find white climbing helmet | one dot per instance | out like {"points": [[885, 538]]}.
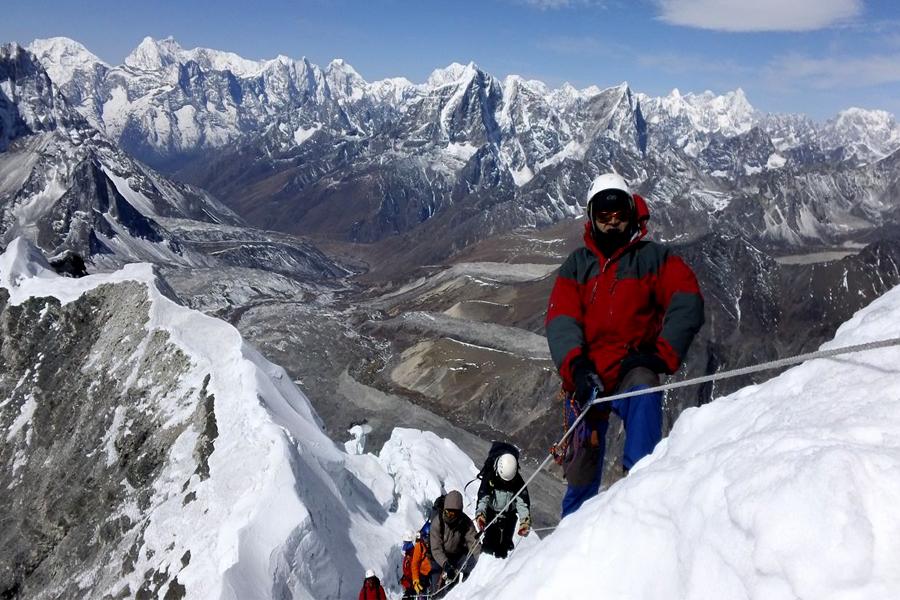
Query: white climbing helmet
{"points": [[607, 181], [408, 536], [370, 573], [506, 467]]}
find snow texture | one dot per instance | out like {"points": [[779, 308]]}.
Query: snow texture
{"points": [[284, 512], [782, 490]]}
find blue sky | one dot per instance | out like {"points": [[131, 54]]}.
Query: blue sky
{"points": [[809, 56]]}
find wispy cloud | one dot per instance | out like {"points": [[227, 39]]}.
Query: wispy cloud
{"points": [[758, 15], [801, 71]]}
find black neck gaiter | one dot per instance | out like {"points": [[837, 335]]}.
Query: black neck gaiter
{"points": [[612, 240]]}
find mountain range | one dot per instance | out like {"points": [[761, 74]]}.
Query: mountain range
{"points": [[465, 154]]}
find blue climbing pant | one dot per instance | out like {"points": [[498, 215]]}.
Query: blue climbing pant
{"points": [[642, 417]]}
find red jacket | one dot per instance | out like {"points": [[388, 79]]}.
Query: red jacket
{"points": [[642, 299], [407, 580], [372, 590]]}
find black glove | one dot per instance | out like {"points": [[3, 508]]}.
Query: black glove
{"points": [[449, 573], [643, 359], [585, 379]]}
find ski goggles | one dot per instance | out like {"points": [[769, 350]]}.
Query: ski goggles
{"points": [[608, 216], [450, 513]]}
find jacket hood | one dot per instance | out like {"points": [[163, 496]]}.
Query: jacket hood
{"points": [[641, 212], [453, 501]]}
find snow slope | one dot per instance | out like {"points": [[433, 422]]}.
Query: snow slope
{"points": [[783, 490], [283, 511]]}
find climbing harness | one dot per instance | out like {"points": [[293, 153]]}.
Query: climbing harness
{"points": [[595, 400]]}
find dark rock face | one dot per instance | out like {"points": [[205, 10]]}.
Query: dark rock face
{"points": [[86, 440], [69, 264]]}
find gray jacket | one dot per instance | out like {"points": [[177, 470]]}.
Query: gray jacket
{"points": [[451, 542], [494, 495]]}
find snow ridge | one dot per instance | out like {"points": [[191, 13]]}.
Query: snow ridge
{"points": [[281, 509]]}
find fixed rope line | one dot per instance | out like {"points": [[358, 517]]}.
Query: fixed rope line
{"points": [[540, 529], [766, 366]]}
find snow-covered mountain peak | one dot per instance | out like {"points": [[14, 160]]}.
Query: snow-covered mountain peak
{"points": [[218, 60], [729, 114], [451, 74], [397, 82], [872, 134], [568, 95], [283, 72], [859, 122], [345, 80], [153, 55], [873, 116], [736, 103], [674, 104], [620, 94], [63, 58], [512, 84], [280, 62], [394, 90], [339, 64]]}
